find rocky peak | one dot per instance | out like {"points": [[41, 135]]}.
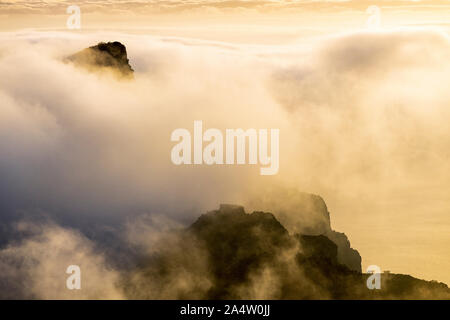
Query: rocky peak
{"points": [[105, 56]]}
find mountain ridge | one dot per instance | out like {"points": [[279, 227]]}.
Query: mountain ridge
{"points": [[239, 255]]}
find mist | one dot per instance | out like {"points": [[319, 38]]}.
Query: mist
{"points": [[363, 121]]}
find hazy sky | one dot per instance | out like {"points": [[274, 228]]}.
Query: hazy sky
{"points": [[138, 14]]}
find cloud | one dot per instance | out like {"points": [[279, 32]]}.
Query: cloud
{"points": [[97, 144], [365, 109], [35, 267], [373, 105]]}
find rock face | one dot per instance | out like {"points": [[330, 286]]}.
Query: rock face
{"points": [[346, 254], [240, 244], [230, 254], [109, 56], [308, 214]]}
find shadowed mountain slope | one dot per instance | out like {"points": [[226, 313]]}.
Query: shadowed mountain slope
{"points": [[230, 254], [307, 214]]}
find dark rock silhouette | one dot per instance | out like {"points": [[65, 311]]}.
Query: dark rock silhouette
{"points": [[230, 254], [110, 56], [346, 254], [308, 214]]}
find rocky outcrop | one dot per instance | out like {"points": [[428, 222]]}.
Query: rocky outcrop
{"points": [[307, 214], [346, 254], [230, 254], [105, 56]]}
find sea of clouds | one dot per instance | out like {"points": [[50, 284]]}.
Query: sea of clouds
{"points": [[84, 157]]}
